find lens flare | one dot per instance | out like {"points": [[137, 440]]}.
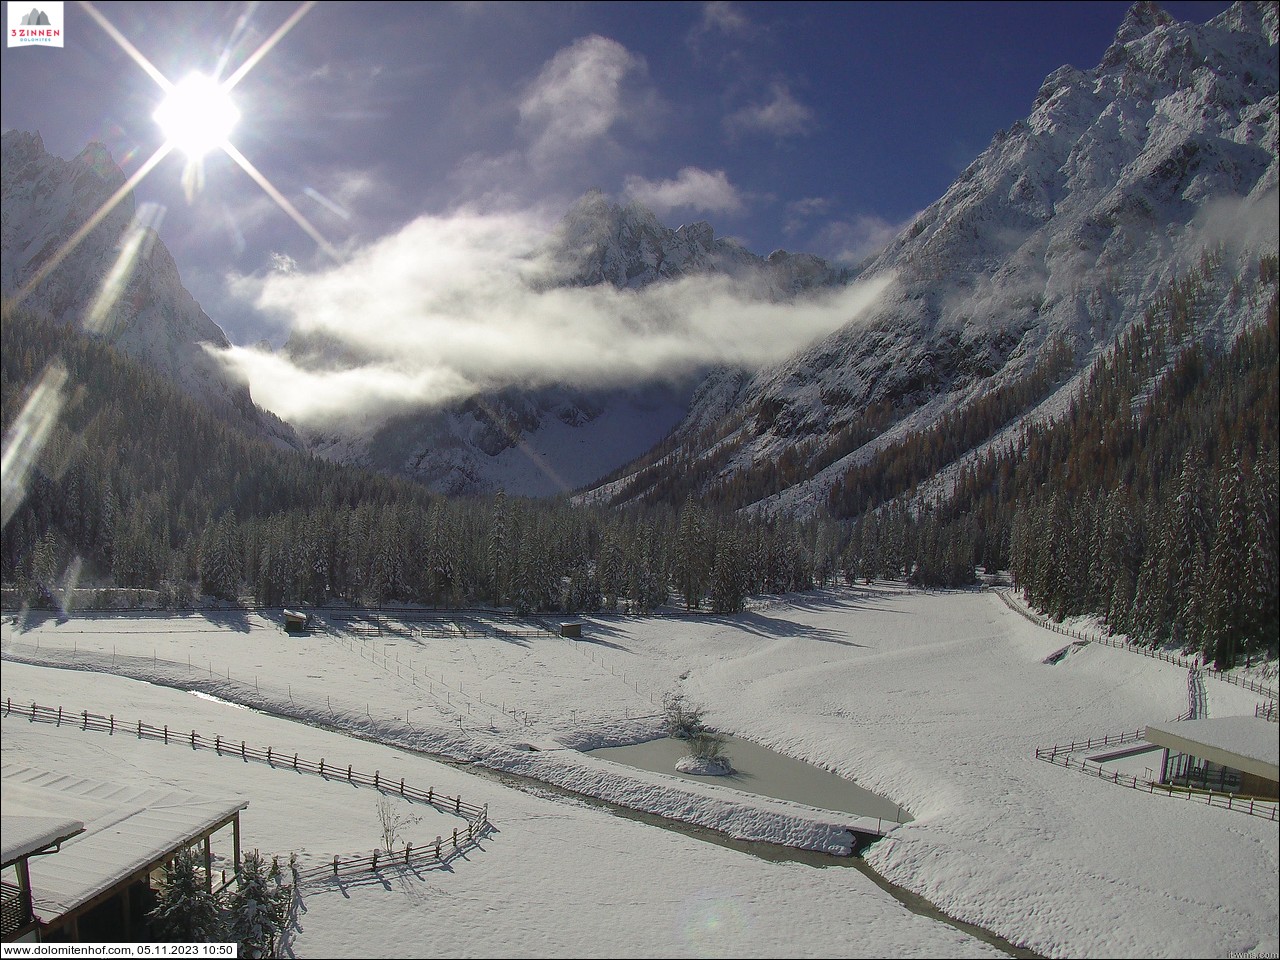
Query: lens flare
{"points": [[197, 115]]}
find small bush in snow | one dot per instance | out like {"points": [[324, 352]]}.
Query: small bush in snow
{"points": [[393, 823], [683, 720]]}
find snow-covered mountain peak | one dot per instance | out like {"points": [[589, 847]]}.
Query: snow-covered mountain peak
{"points": [[1142, 18], [564, 435], [1260, 17], [1060, 233], [144, 311], [627, 246]]}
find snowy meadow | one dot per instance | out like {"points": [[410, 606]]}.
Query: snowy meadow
{"points": [[935, 701]]}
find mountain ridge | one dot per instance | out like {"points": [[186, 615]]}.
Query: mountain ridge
{"points": [[1061, 230], [118, 281]]}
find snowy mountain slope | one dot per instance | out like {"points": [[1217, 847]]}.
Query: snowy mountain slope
{"points": [[553, 439], [625, 245], [119, 283], [530, 443], [1062, 231]]}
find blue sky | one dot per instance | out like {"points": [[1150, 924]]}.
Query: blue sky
{"points": [[810, 126]]}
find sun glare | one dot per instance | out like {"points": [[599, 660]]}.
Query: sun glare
{"points": [[197, 116]]}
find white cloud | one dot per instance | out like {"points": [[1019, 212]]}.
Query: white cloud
{"points": [[852, 241], [692, 188], [800, 212], [780, 115], [721, 16], [451, 307], [579, 95]]}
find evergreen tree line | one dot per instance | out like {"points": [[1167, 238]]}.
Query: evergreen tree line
{"points": [[1152, 502], [138, 486], [896, 470]]}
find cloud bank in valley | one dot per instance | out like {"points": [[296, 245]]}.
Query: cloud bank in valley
{"points": [[451, 307]]}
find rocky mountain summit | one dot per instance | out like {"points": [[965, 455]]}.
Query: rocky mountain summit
{"points": [[118, 282], [625, 245], [1060, 234]]}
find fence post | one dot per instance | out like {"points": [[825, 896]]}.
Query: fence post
{"points": [[193, 739], [269, 763], [59, 716], [430, 790], [322, 768], [437, 847], [217, 744], [402, 786], [374, 868], [457, 804], [408, 848], [335, 864], [113, 724], [455, 838], [348, 773], [166, 733], [375, 780]]}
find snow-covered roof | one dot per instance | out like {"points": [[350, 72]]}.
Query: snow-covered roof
{"points": [[126, 830], [1251, 744], [25, 835]]}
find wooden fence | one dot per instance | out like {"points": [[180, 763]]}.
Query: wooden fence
{"points": [[1153, 652], [424, 856], [1075, 746], [476, 816]]}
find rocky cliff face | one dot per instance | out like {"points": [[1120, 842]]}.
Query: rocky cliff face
{"points": [[119, 282], [626, 246], [1061, 231]]}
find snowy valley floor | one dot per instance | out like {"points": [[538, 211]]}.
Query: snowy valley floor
{"points": [[936, 701]]}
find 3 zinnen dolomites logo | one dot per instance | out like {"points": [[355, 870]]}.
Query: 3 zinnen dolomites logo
{"points": [[38, 25]]}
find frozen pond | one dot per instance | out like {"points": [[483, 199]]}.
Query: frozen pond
{"points": [[763, 771]]}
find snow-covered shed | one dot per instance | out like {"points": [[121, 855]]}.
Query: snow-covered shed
{"points": [[1233, 754], [295, 621], [100, 883]]}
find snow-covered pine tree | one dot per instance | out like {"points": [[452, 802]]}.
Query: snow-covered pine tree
{"points": [[186, 912], [259, 906], [1227, 610], [728, 576]]}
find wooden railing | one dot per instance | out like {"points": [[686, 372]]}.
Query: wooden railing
{"points": [[1153, 652], [476, 816]]}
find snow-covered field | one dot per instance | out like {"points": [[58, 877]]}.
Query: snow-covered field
{"points": [[935, 701]]}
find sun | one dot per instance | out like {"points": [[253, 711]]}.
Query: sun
{"points": [[197, 116]]}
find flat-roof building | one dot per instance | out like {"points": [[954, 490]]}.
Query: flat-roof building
{"points": [[100, 882], [1231, 754]]}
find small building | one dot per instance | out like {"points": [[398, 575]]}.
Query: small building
{"points": [[1227, 754], [571, 630], [295, 621], [102, 879]]}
